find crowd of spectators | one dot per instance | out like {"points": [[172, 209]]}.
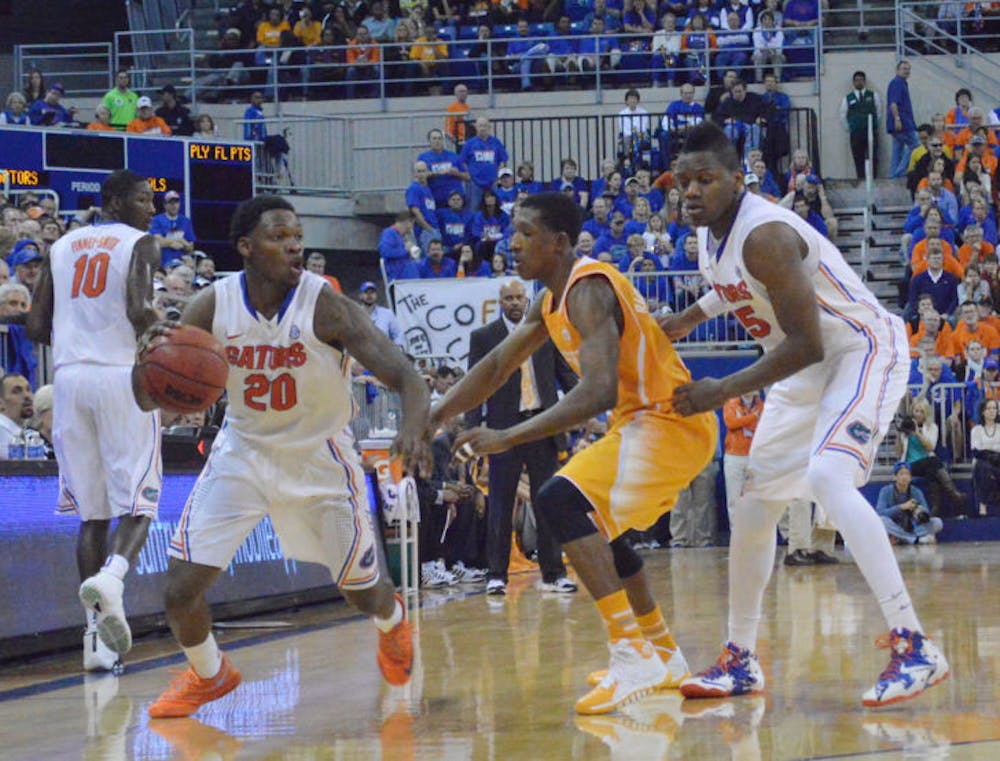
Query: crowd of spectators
{"points": [[344, 49]]}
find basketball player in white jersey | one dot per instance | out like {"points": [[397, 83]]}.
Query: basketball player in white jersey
{"points": [[285, 449], [94, 297], [839, 364]]}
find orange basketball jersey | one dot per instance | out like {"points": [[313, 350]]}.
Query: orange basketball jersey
{"points": [[648, 367]]}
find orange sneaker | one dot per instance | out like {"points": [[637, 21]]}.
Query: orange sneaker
{"points": [[395, 651], [188, 692]]}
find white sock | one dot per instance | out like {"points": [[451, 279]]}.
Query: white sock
{"points": [[117, 566], [205, 659], [865, 535], [751, 559], [385, 625]]}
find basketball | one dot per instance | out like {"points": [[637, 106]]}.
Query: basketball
{"points": [[184, 370]]}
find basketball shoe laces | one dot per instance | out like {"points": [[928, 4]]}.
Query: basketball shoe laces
{"points": [[901, 649], [729, 662]]}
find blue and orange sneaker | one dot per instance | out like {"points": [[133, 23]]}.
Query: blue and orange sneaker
{"points": [[915, 663], [737, 672]]}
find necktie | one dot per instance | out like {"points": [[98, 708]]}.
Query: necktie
{"points": [[529, 399]]}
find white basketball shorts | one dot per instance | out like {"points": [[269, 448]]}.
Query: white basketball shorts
{"points": [[317, 501], [107, 448], [843, 405]]}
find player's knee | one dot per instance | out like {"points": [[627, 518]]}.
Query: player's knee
{"points": [[564, 509], [828, 475], [627, 561]]}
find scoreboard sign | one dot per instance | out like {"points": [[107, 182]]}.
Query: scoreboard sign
{"points": [[213, 177]]}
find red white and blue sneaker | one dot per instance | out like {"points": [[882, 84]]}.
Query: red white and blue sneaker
{"points": [[915, 663], [737, 672]]}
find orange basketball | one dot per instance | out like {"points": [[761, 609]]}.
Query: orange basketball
{"points": [[185, 370]]}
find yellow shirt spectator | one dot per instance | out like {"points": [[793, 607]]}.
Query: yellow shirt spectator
{"points": [[269, 34]]}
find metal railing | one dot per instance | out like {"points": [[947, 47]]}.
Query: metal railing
{"points": [[81, 68]]}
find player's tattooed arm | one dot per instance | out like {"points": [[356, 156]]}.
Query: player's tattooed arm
{"points": [[491, 372], [343, 324], [139, 285], [39, 324]]}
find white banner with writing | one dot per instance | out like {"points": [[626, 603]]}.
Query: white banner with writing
{"points": [[437, 316]]}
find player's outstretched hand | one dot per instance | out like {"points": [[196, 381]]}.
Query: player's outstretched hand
{"points": [[673, 325], [479, 441], [414, 449], [701, 396], [157, 330]]}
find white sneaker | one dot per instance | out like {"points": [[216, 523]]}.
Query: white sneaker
{"points": [[496, 588], [431, 576], [450, 579], [96, 655], [677, 669], [562, 585], [736, 672], [927, 539], [102, 594], [915, 663], [635, 670], [467, 574]]}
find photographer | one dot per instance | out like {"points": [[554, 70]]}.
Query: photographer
{"points": [[904, 510], [916, 445]]}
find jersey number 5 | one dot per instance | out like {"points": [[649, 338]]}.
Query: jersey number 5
{"points": [[755, 326], [90, 275], [280, 392]]}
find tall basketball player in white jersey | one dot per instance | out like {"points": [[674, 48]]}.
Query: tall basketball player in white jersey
{"points": [[285, 449], [94, 297], [839, 364]]}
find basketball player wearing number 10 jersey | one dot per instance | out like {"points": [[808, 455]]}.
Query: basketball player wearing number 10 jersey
{"points": [[94, 297], [285, 449], [838, 362]]}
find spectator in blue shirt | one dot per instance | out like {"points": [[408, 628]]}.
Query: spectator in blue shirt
{"points": [[489, 223], [16, 113], [526, 179], [735, 45], [598, 49], [626, 200], [610, 22], [49, 111], [568, 178], [172, 230], [899, 122], [562, 49], [455, 223], [483, 154], [420, 202], [681, 115], [599, 223], [383, 318], [904, 510], [614, 242], [446, 172], [395, 252], [254, 127], [801, 207], [437, 265], [523, 52], [506, 191]]}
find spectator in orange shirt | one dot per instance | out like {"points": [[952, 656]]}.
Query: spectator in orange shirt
{"points": [[145, 121], [970, 327], [960, 113], [454, 125], [933, 337], [102, 121], [364, 56], [986, 314], [974, 249], [977, 121], [741, 416], [978, 147]]}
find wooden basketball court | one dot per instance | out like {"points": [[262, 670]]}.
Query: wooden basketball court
{"points": [[497, 679]]}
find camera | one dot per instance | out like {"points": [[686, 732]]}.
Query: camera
{"points": [[921, 515], [172, 313], [907, 425]]}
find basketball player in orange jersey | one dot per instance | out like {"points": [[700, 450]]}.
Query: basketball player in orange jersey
{"points": [[94, 297], [629, 478], [285, 449]]}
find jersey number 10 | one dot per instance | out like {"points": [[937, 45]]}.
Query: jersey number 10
{"points": [[90, 275]]}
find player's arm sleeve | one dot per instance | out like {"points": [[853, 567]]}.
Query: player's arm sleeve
{"points": [[711, 304]]}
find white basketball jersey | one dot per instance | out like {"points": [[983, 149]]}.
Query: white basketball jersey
{"points": [[848, 311], [89, 276], [287, 389]]}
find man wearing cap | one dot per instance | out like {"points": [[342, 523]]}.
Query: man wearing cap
{"points": [[752, 183], [49, 111], [26, 261], [626, 200], [122, 101], [859, 107], [904, 511], [175, 115], [446, 173], [146, 122], [172, 230], [383, 318]]}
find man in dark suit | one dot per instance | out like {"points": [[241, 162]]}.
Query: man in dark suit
{"points": [[523, 395]]}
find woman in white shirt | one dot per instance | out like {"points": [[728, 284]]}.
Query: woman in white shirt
{"points": [[986, 465]]}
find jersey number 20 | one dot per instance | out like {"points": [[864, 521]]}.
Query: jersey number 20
{"points": [[90, 275], [260, 392]]}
